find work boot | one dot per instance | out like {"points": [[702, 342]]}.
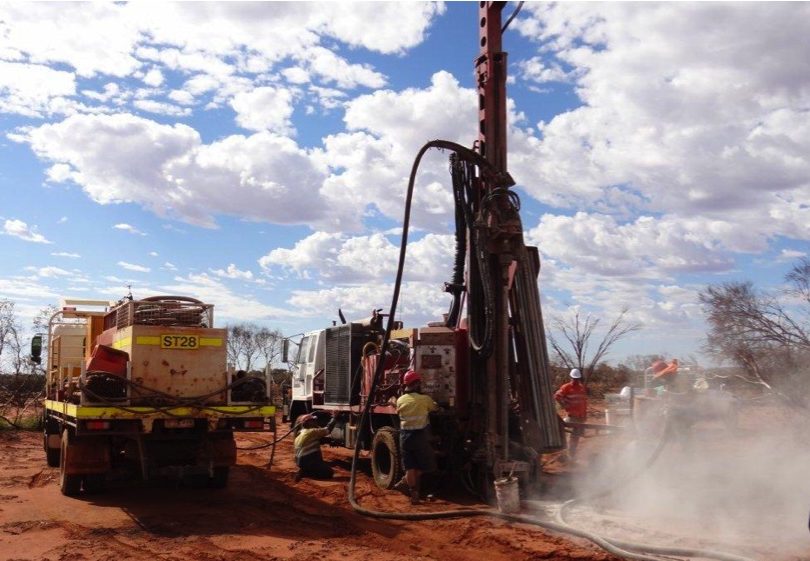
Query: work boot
{"points": [[298, 476], [414, 497]]}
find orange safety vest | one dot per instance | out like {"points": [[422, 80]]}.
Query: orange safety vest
{"points": [[573, 398]]}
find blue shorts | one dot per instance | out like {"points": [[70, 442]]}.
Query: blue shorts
{"points": [[417, 453]]}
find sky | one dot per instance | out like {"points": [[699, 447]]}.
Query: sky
{"points": [[255, 156]]}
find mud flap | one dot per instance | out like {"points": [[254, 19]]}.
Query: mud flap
{"points": [[221, 451], [87, 456]]}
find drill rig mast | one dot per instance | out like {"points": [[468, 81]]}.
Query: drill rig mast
{"points": [[510, 377]]}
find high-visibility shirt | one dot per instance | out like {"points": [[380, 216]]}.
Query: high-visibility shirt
{"points": [[573, 398], [308, 441], [414, 410]]}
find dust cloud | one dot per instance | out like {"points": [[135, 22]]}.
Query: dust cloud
{"points": [[742, 489]]}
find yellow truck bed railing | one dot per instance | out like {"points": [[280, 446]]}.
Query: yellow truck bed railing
{"points": [[139, 412]]}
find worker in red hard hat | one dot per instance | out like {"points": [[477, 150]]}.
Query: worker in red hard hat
{"points": [[414, 408], [574, 398], [307, 447]]}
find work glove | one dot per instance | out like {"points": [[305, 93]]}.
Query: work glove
{"points": [[331, 424]]}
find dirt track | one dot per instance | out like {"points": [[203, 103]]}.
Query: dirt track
{"points": [[263, 514]]}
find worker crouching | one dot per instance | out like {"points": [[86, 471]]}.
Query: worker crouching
{"points": [[307, 447], [414, 408], [574, 399]]}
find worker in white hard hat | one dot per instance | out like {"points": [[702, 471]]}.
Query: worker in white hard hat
{"points": [[307, 447], [574, 399]]}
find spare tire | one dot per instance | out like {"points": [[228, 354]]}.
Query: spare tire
{"points": [[386, 463]]}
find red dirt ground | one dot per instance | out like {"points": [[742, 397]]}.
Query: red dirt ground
{"points": [[264, 514]]}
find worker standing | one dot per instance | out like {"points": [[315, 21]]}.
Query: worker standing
{"points": [[668, 377], [574, 399], [413, 408], [307, 448]]}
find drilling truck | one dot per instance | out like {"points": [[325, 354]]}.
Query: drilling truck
{"points": [[486, 362], [143, 386]]}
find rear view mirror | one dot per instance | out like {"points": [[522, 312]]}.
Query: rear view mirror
{"points": [[36, 349], [285, 350]]}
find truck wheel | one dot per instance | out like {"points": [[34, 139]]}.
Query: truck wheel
{"points": [[386, 464], [68, 484], [219, 479], [53, 455]]}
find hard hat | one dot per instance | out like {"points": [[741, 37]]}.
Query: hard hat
{"points": [[411, 377], [575, 373], [306, 418]]}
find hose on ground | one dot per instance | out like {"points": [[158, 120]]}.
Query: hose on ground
{"points": [[269, 444]]}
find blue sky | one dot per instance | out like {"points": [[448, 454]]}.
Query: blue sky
{"points": [[256, 155]]}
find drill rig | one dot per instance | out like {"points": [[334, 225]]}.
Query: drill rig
{"points": [[486, 364]]}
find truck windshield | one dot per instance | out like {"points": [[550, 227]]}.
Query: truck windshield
{"points": [[302, 351]]}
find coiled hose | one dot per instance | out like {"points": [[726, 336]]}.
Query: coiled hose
{"points": [[612, 546]]}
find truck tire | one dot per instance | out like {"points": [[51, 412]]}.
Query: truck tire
{"points": [[386, 465], [70, 485], [52, 455], [219, 478]]}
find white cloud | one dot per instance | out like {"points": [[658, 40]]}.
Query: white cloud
{"points": [[129, 228], [28, 289], [169, 266], [339, 258], [691, 121], [537, 70], [335, 69], [233, 272], [167, 169], [646, 248], [66, 254], [34, 90], [296, 75], [132, 267], [787, 255], [153, 78], [228, 304], [265, 108], [182, 97], [20, 229], [161, 108], [153, 254], [49, 272], [62, 220]]}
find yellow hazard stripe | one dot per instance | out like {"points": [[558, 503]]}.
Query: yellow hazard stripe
{"points": [[121, 343], [155, 340], [94, 412], [147, 340]]}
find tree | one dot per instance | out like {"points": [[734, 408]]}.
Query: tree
{"points": [[269, 343], [10, 347], [577, 335], [766, 335], [247, 343]]}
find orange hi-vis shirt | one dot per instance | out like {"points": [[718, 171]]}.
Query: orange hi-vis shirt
{"points": [[573, 397]]}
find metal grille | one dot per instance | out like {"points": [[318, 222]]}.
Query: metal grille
{"points": [[168, 311], [337, 374]]}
